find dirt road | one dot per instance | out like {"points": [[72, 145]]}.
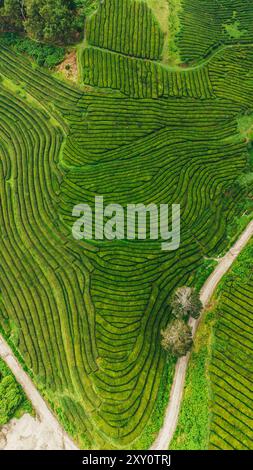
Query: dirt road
{"points": [[44, 415], [172, 412]]}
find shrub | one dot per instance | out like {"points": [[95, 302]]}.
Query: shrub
{"points": [[43, 54]]}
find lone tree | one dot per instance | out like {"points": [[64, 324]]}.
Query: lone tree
{"points": [[185, 303], [177, 338]]}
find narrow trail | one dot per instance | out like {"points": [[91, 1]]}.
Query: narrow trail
{"points": [[179, 68], [40, 406], [166, 433]]}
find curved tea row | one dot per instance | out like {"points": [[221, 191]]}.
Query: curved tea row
{"points": [[231, 370], [86, 316]]}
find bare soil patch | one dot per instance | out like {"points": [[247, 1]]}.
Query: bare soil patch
{"points": [[69, 67]]}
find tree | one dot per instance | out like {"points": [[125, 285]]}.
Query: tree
{"points": [[10, 398], [55, 21], [34, 25], [196, 304], [10, 15], [51, 20], [177, 338], [185, 303]]}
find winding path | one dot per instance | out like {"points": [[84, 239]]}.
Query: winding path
{"points": [[43, 413], [172, 412]]}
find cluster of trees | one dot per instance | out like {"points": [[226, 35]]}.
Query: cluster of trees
{"points": [[56, 21], [177, 337]]}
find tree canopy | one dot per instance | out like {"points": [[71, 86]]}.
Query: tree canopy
{"points": [[185, 303], [58, 21], [177, 338]]}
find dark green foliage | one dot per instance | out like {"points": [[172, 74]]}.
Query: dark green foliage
{"points": [[43, 54], [10, 15], [86, 7], [142, 79], [51, 20], [55, 21]]}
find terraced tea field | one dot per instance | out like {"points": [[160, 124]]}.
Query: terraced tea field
{"points": [[216, 411], [231, 369], [86, 316], [216, 24]]}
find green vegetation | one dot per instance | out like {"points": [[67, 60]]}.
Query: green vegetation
{"points": [[216, 411], [173, 54], [155, 423], [43, 54], [206, 25], [13, 402], [231, 368], [59, 21], [177, 337], [192, 432], [245, 124], [233, 29], [87, 316]]}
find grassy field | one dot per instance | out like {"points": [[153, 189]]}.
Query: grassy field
{"points": [[87, 316], [217, 405]]}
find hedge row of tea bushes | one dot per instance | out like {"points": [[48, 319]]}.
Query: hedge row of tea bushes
{"points": [[231, 74], [127, 27], [142, 78], [207, 25], [42, 281], [107, 64]]}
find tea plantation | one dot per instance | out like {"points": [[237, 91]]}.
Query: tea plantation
{"points": [[231, 368], [216, 411], [87, 315]]}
